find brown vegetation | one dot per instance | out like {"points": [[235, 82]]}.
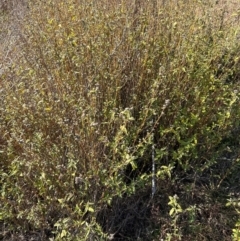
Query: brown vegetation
{"points": [[91, 93]]}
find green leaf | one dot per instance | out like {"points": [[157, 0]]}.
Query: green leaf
{"points": [[90, 209], [172, 211], [63, 233]]}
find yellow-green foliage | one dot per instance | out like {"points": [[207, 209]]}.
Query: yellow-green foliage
{"points": [[97, 84]]}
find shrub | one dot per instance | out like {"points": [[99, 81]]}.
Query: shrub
{"points": [[99, 90]]}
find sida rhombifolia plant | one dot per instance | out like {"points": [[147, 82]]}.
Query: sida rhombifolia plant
{"points": [[101, 90]]}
